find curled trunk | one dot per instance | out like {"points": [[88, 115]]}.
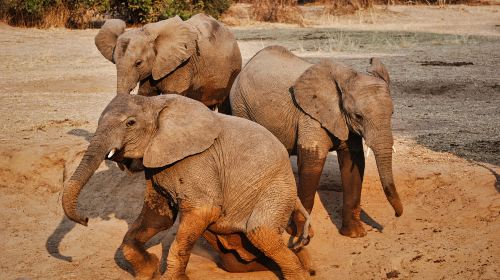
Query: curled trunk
{"points": [[91, 160]]}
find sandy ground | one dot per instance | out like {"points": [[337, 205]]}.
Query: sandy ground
{"points": [[54, 84]]}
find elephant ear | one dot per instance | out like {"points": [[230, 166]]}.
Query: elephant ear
{"points": [[318, 92], [184, 127], [175, 42], [106, 38], [378, 69]]}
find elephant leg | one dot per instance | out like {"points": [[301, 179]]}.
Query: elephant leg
{"points": [[352, 166], [310, 161], [305, 260], [155, 216], [192, 224], [232, 262], [310, 166], [313, 144], [269, 241]]}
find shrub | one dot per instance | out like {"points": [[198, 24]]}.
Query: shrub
{"points": [[82, 13]]}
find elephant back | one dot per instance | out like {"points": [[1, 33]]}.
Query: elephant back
{"points": [[261, 92], [218, 59]]}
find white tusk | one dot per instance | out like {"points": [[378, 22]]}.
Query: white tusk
{"points": [[394, 149], [367, 152], [111, 153]]}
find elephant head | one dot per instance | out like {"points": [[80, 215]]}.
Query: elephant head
{"points": [[156, 49], [156, 129], [344, 100]]}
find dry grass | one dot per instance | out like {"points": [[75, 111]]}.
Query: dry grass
{"points": [[285, 11], [55, 16], [343, 7]]}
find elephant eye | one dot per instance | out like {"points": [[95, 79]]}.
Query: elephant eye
{"points": [[130, 122], [138, 63], [358, 116]]}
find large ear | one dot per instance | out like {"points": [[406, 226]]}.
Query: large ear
{"points": [[175, 42], [318, 92], [378, 69], [105, 40], [184, 127]]}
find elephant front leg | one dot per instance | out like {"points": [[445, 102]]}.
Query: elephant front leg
{"points": [[191, 227], [156, 216], [310, 163], [352, 166], [310, 166]]}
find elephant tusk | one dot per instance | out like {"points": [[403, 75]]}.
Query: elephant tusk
{"points": [[367, 152], [394, 149], [111, 153]]}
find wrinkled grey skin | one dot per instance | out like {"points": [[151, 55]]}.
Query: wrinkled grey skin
{"points": [[224, 175], [316, 108], [198, 58]]}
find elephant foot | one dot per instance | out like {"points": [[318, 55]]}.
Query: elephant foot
{"points": [[149, 271], [353, 229], [296, 226], [175, 276]]}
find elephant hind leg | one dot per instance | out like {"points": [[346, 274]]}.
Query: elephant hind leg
{"points": [[155, 217], [269, 241], [305, 260], [231, 261], [192, 224]]}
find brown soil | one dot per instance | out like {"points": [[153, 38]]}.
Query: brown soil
{"points": [[54, 84]]}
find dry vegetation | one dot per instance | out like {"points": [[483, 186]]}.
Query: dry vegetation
{"points": [[288, 11], [90, 13]]}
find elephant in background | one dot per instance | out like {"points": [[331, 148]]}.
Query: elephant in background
{"points": [[198, 58], [224, 175], [316, 108]]}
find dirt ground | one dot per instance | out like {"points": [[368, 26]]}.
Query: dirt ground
{"points": [[54, 85]]}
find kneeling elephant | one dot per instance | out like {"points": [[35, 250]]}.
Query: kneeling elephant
{"points": [[224, 175]]}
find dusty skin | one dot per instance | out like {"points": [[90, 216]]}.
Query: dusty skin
{"points": [[54, 85]]}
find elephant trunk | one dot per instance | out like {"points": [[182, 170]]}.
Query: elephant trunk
{"points": [[382, 149], [123, 88], [91, 160], [125, 81]]}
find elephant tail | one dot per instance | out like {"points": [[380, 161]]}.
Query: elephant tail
{"points": [[304, 239]]}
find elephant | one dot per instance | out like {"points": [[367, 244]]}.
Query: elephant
{"points": [[227, 177], [198, 58], [316, 108]]}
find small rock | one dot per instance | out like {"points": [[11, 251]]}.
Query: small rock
{"points": [[392, 274]]}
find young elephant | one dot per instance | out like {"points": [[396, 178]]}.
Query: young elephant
{"points": [[198, 58], [316, 108], [225, 175]]}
